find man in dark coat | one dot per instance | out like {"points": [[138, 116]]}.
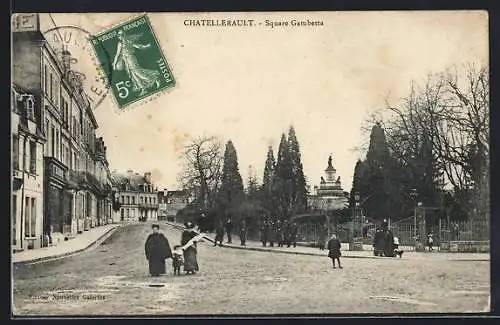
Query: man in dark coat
{"points": [[157, 249], [229, 229], [273, 233], [292, 240], [219, 232], [243, 232], [378, 242], [264, 233], [202, 223], [388, 243]]}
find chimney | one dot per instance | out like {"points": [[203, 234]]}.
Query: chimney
{"points": [[66, 60], [130, 172]]}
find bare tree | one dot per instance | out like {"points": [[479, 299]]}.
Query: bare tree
{"points": [[451, 111], [202, 169]]}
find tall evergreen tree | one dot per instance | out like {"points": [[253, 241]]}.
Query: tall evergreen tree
{"points": [[283, 180], [252, 185], [356, 181], [298, 181], [268, 181], [231, 191], [375, 185]]}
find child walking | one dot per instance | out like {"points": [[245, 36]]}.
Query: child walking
{"points": [[334, 250], [177, 259]]}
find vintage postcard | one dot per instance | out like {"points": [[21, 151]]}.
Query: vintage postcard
{"points": [[250, 163]]}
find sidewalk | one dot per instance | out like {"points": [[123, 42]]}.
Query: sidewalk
{"points": [[78, 244], [367, 253]]}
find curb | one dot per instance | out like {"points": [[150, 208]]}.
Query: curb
{"points": [[90, 246], [259, 249]]}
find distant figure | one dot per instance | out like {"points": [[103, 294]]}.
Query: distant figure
{"points": [[430, 242], [338, 180], [322, 180], [202, 223], [264, 232], [334, 250], [243, 232], [177, 259], [378, 243], [229, 229], [273, 233], [157, 250], [294, 229], [219, 232], [323, 235], [190, 259], [397, 251]]}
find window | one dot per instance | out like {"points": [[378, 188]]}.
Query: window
{"points": [[81, 121], [14, 219], [122, 214], [30, 110], [33, 157], [141, 199], [128, 199], [33, 218], [15, 151], [133, 199], [52, 140], [128, 213], [123, 199], [27, 216], [51, 87], [45, 79], [154, 200]]}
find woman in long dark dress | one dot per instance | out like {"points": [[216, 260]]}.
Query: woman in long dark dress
{"points": [[334, 250], [190, 260], [157, 249]]}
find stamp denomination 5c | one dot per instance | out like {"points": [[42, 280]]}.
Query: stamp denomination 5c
{"points": [[139, 68]]}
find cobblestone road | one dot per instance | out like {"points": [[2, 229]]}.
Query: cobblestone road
{"points": [[113, 280]]}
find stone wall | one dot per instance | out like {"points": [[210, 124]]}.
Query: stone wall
{"points": [[468, 246]]}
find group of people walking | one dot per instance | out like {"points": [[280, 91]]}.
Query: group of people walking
{"points": [[157, 250], [280, 232]]}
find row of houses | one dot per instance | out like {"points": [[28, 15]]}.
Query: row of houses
{"points": [[61, 183]]}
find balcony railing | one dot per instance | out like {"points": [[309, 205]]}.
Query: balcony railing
{"points": [[148, 205]]}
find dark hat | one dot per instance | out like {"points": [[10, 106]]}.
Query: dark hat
{"points": [[157, 226], [188, 224]]}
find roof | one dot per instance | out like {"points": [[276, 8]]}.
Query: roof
{"points": [[177, 193], [20, 90], [133, 180]]}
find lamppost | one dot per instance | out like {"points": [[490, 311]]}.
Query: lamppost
{"points": [[356, 244]]}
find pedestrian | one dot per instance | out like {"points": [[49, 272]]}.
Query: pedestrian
{"points": [[273, 233], [264, 232], [334, 250], [430, 242], [229, 229], [378, 242], [177, 259], [280, 233], [323, 235], [293, 235], [202, 223], [190, 252], [157, 250], [243, 232], [219, 233], [397, 251]]}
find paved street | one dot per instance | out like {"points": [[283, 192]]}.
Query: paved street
{"points": [[113, 280]]}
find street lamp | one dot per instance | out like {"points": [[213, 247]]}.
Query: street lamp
{"points": [[354, 242]]}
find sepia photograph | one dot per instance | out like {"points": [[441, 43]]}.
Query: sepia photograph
{"points": [[250, 163]]}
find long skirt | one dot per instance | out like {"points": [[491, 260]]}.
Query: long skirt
{"points": [[190, 261], [157, 266]]}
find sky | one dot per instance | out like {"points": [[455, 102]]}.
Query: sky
{"points": [[251, 84]]}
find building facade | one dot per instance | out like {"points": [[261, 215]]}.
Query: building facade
{"points": [[136, 196], [77, 189], [27, 171], [170, 202]]}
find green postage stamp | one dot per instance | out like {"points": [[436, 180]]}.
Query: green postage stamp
{"points": [[132, 61]]}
